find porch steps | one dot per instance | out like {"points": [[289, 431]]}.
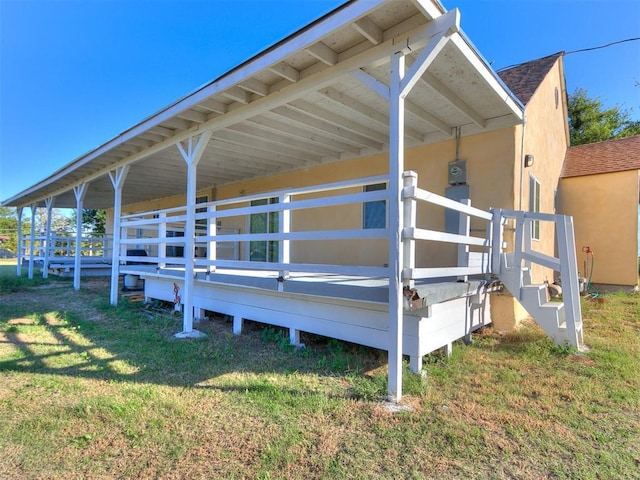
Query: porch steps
{"points": [[550, 316]]}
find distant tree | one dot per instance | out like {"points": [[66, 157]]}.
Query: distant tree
{"points": [[94, 220], [9, 228], [590, 122]]}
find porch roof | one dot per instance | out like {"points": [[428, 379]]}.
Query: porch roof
{"points": [[318, 96]]}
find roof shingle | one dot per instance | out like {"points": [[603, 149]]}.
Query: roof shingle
{"points": [[610, 156], [523, 80]]}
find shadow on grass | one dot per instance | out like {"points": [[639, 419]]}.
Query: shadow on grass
{"points": [[78, 334]]}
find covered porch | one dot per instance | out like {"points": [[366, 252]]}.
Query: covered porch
{"points": [[371, 79]]}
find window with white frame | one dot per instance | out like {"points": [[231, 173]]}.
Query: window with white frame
{"points": [[374, 214], [534, 205]]}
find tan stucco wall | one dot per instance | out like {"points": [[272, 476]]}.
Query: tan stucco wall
{"points": [[605, 214], [490, 174], [546, 138]]}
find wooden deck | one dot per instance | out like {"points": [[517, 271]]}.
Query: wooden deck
{"points": [[349, 308]]}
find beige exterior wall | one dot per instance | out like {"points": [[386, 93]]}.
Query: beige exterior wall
{"points": [[546, 137], [490, 175], [605, 214]]}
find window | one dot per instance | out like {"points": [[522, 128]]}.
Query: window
{"points": [[374, 214], [269, 222], [534, 205], [202, 222]]}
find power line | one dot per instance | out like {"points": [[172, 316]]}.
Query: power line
{"points": [[603, 46], [578, 51]]}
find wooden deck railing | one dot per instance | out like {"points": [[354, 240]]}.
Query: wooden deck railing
{"points": [[64, 246], [156, 232]]}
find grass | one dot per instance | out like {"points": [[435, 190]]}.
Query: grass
{"points": [[91, 391]]}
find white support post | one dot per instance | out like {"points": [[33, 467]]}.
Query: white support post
{"points": [[284, 246], [19, 247], [212, 231], [294, 337], [79, 191], [238, 323], [32, 239], [117, 180], [191, 153], [569, 274], [409, 205], [162, 246], [464, 228], [396, 167], [47, 245], [496, 241]]}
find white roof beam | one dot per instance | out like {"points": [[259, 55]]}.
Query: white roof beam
{"points": [[427, 117], [329, 116], [241, 136], [364, 111], [487, 74], [383, 90], [193, 116], [263, 135], [127, 147], [177, 123], [369, 30], [255, 86], [286, 71], [452, 98], [323, 53], [326, 127], [152, 137], [237, 94], [214, 105], [371, 83], [273, 123], [428, 8], [140, 142], [163, 131], [445, 26], [227, 142]]}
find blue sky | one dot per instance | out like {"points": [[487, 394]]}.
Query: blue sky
{"points": [[74, 74]]}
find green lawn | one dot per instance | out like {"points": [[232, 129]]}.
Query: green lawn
{"points": [[90, 391]]}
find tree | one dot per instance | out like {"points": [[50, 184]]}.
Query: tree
{"points": [[94, 220], [589, 122]]}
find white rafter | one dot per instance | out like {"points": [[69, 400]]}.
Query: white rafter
{"points": [[369, 30]]}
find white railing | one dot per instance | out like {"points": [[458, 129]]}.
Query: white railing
{"points": [[64, 246], [469, 262], [150, 231], [524, 255]]}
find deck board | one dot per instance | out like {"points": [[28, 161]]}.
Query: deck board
{"points": [[350, 287]]}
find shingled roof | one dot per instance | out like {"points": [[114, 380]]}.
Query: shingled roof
{"points": [[523, 80], [610, 156]]}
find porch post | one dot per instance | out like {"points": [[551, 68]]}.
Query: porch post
{"points": [[19, 248], [396, 167], [117, 180], [284, 246], [191, 153], [79, 191], [32, 239], [47, 246], [212, 231]]}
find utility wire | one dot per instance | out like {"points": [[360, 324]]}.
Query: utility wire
{"points": [[580, 51], [603, 46]]}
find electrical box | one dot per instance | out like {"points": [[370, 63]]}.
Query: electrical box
{"points": [[457, 172]]}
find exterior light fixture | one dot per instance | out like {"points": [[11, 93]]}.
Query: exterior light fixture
{"points": [[528, 160]]}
